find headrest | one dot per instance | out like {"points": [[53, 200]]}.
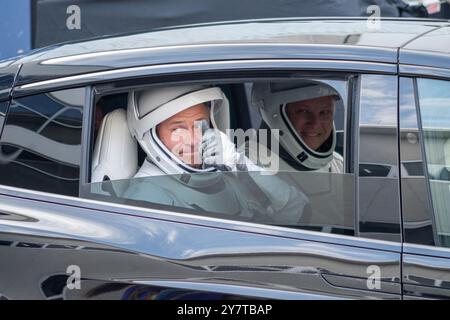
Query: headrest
{"points": [[115, 153]]}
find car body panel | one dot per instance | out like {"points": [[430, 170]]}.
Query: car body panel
{"points": [[189, 219], [426, 271], [128, 249]]}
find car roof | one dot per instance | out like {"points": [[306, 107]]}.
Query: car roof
{"points": [[431, 49], [330, 31], [207, 42]]}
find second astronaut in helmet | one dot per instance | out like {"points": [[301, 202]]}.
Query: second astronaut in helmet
{"points": [[304, 114]]}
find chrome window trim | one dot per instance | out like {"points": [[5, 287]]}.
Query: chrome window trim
{"points": [[218, 223], [230, 65], [406, 70], [424, 250]]}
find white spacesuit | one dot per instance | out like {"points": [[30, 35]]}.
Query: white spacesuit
{"points": [[227, 183], [294, 153]]}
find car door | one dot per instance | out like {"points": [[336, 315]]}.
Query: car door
{"points": [[424, 130], [55, 243]]}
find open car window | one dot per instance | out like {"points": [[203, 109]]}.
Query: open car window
{"points": [[271, 188]]}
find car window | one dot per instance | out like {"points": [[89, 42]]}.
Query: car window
{"points": [[379, 205], [417, 214], [434, 103], [284, 158], [40, 147]]}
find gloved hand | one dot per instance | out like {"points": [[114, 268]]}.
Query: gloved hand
{"points": [[284, 203], [221, 153]]}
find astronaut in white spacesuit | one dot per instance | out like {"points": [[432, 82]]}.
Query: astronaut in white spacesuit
{"points": [[192, 162], [304, 114]]}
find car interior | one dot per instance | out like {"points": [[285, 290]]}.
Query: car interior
{"points": [[112, 137]]}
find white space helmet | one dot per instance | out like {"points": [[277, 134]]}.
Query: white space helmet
{"points": [[147, 108], [271, 99]]}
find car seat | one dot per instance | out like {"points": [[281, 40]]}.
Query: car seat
{"points": [[115, 153]]}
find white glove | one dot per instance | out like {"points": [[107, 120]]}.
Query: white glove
{"points": [[220, 152], [286, 203]]}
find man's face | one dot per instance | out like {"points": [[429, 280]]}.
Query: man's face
{"points": [[180, 135], [313, 119]]}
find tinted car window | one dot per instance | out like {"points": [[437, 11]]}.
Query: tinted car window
{"points": [[284, 195], [379, 207], [41, 142], [417, 213], [434, 102]]}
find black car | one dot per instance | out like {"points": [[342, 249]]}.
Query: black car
{"points": [[380, 228]]}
